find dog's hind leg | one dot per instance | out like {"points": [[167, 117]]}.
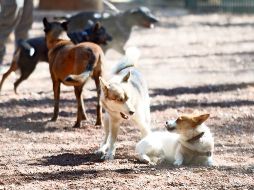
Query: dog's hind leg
{"points": [[81, 115], [56, 89], [98, 108], [22, 77], [12, 68], [26, 68]]}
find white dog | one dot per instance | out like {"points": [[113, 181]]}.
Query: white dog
{"points": [[192, 144], [124, 96]]}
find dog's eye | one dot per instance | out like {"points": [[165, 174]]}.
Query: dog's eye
{"points": [[120, 99], [126, 97]]}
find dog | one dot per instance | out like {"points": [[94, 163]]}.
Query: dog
{"points": [[124, 97], [192, 144], [72, 64], [30, 52], [118, 25]]}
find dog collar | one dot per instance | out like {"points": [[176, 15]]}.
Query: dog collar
{"points": [[193, 139]]}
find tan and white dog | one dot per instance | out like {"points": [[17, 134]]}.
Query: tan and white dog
{"points": [[192, 144], [124, 97]]}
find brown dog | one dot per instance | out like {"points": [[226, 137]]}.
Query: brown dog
{"points": [[72, 65]]}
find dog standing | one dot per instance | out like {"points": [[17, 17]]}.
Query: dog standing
{"points": [[34, 50], [26, 56], [118, 25], [192, 144], [72, 65], [124, 97]]}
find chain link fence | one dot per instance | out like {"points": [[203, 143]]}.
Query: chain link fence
{"points": [[236, 6]]}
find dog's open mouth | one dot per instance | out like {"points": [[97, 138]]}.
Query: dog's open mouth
{"points": [[148, 25], [124, 116]]}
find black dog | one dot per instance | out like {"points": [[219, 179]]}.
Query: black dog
{"points": [[34, 50], [118, 25]]}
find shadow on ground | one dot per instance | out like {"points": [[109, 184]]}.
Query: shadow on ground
{"points": [[199, 89], [36, 121]]}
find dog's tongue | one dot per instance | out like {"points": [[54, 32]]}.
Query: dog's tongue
{"points": [[124, 116]]}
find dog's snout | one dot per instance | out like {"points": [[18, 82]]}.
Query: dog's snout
{"points": [[170, 125], [153, 19], [131, 112]]}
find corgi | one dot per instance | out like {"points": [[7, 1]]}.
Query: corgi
{"points": [[193, 143], [124, 97]]}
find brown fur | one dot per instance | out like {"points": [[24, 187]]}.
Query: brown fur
{"points": [[67, 62]]}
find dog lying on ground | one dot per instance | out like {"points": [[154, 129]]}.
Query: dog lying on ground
{"points": [[30, 52], [118, 25], [192, 144], [72, 65], [124, 97]]}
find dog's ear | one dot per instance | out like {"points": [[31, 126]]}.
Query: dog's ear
{"points": [[200, 119], [65, 25], [96, 26], [126, 77], [46, 25], [45, 22], [104, 85]]}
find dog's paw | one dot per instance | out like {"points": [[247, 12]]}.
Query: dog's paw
{"points": [[98, 122], [99, 153], [53, 119], [178, 162], [76, 125], [209, 162], [144, 159], [102, 151], [109, 156]]}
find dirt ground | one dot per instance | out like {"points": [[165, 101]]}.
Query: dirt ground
{"points": [[193, 64]]}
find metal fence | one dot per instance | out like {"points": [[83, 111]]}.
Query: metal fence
{"points": [[237, 6]]}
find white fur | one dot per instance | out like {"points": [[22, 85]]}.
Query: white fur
{"points": [[157, 146], [137, 102], [167, 146]]}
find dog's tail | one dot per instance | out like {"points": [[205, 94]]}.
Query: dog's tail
{"points": [[111, 6], [77, 80], [130, 59], [28, 49]]}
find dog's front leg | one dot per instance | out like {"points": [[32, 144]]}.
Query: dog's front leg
{"points": [[114, 124], [105, 144], [178, 156], [56, 89], [142, 123], [81, 115]]}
